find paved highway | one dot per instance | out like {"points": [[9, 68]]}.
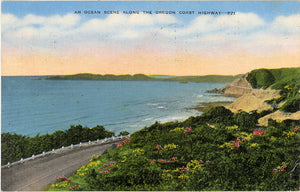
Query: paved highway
{"points": [[34, 175]]}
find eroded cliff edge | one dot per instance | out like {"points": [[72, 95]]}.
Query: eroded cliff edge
{"points": [[250, 99]]}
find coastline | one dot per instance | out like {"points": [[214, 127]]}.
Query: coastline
{"points": [[205, 106]]}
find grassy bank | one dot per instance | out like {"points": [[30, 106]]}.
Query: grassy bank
{"points": [[218, 150]]}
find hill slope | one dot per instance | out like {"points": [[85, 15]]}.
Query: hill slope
{"points": [[142, 77], [287, 80], [216, 151]]}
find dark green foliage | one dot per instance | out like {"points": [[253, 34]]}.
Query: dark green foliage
{"points": [[276, 78], [260, 78], [14, 146], [292, 105], [124, 133], [246, 121], [248, 167], [218, 114], [206, 78], [291, 95]]}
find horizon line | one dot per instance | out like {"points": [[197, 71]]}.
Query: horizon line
{"points": [[36, 75]]}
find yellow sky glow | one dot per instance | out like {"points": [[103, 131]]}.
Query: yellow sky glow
{"points": [[180, 65]]}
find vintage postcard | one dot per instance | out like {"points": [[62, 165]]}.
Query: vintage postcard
{"points": [[150, 95]]}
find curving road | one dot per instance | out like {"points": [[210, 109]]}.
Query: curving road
{"points": [[34, 175]]}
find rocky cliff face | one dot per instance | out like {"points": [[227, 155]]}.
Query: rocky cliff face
{"points": [[250, 99], [237, 88]]}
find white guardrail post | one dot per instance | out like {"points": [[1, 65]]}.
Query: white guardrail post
{"points": [[71, 146]]}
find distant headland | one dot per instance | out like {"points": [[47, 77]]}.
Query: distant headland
{"points": [[143, 77]]}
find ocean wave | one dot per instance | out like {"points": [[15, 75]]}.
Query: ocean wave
{"points": [[155, 104], [130, 126], [173, 118], [148, 119]]}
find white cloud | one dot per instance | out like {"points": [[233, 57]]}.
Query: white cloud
{"points": [[33, 20], [287, 24], [11, 21], [8, 21], [68, 20], [117, 23], [240, 22], [26, 33], [8, 18], [241, 32]]}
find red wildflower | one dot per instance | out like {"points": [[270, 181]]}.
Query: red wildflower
{"points": [[259, 132], [187, 130], [236, 144], [174, 159], [183, 169], [63, 178], [162, 160], [159, 147], [111, 163]]}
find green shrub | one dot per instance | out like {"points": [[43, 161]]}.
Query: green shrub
{"points": [[260, 78], [218, 114], [292, 105], [14, 146]]}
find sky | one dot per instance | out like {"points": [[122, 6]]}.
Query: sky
{"points": [[56, 37]]}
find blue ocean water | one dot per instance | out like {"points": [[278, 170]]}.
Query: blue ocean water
{"points": [[32, 106]]}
